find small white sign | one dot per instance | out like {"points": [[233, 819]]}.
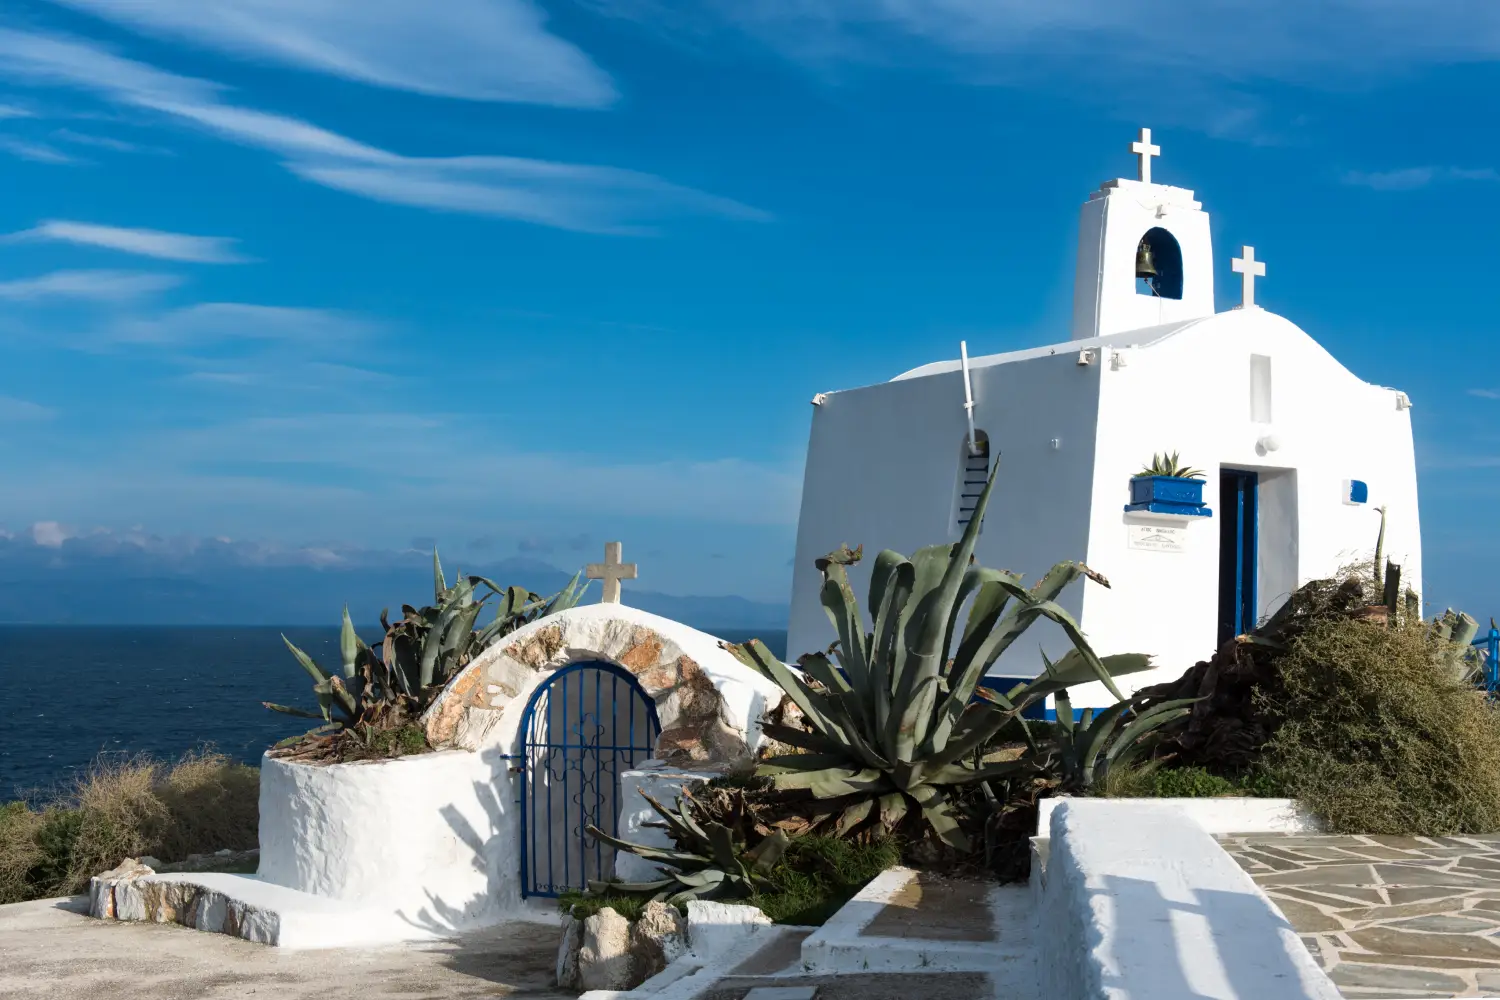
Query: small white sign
{"points": [[1158, 537]]}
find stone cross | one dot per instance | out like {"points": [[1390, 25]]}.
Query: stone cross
{"points": [[1145, 151], [611, 571], [1251, 269]]}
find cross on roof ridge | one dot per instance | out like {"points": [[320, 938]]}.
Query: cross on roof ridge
{"points": [[1251, 269], [611, 571]]}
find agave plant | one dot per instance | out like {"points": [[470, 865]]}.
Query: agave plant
{"points": [[1169, 465], [709, 859], [896, 723], [421, 653], [1084, 750]]}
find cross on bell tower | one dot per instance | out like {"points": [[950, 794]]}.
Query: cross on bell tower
{"points": [[1145, 150]]}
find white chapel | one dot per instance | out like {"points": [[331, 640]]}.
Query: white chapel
{"points": [[1299, 453]]}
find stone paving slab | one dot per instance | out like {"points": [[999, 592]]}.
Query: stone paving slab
{"points": [[1391, 917]]}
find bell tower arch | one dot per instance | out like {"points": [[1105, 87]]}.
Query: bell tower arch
{"points": [[1145, 256]]}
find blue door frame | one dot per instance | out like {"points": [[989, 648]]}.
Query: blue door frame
{"points": [[1238, 552], [583, 726]]}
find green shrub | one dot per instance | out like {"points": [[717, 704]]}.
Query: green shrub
{"points": [[1374, 738], [126, 808]]}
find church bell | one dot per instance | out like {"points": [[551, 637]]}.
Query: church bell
{"points": [[1145, 264]]}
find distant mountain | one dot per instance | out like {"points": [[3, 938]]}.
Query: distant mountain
{"points": [[108, 578]]}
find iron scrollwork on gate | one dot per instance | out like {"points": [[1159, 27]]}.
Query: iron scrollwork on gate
{"points": [[584, 726]]}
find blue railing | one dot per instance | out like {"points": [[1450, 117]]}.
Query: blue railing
{"points": [[1491, 644]]}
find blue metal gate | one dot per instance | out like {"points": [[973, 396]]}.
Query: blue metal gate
{"points": [[585, 725]]}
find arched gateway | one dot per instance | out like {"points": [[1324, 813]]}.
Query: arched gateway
{"points": [[581, 728]]}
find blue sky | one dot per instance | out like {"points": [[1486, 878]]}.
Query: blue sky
{"points": [[520, 278]]}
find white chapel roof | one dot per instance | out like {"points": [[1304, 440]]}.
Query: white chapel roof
{"points": [[1144, 337]]}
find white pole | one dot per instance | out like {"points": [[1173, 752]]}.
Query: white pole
{"points": [[963, 354]]}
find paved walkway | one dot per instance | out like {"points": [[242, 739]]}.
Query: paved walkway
{"points": [[1407, 917], [50, 951]]}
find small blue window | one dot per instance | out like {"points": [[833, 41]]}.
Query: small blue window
{"points": [[1356, 492]]}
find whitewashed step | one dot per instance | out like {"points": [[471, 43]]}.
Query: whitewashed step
{"points": [[246, 907]]}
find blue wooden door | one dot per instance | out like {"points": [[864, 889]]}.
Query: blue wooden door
{"points": [[1238, 553]]}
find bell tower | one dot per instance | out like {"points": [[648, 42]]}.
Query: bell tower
{"points": [[1144, 255]]}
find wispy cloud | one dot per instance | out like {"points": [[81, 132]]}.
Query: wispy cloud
{"points": [[1412, 178], [142, 242], [16, 411], [219, 322], [1485, 393], [487, 50], [1306, 40], [102, 142], [99, 284], [568, 196], [12, 111], [36, 152]]}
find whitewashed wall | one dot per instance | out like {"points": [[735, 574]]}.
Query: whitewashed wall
{"points": [[883, 461], [883, 464], [1189, 392]]}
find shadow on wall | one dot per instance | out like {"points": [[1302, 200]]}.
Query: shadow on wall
{"points": [[1227, 946], [491, 850]]}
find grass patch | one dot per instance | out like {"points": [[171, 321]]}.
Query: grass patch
{"points": [[1375, 737], [126, 808], [815, 877]]}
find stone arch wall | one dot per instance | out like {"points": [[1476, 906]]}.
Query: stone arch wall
{"points": [[709, 703]]}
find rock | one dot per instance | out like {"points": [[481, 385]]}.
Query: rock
{"points": [[567, 953], [713, 928], [104, 891], [130, 901], [209, 912], [657, 939], [604, 957], [150, 862]]}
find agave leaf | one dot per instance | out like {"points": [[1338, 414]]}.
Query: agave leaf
{"points": [[764, 855], [852, 817], [893, 808], [793, 762], [933, 624], [1098, 731], [843, 611], [721, 842], [348, 645], [939, 815], [755, 655], [664, 855], [439, 585], [599, 888], [801, 738], [833, 782], [1064, 707], [894, 592], [317, 673], [301, 713], [1152, 718], [963, 774]]}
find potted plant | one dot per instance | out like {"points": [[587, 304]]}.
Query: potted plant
{"points": [[1166, 486]]}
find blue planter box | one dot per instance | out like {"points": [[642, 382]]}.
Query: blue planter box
{"points": [[1167, 495]]}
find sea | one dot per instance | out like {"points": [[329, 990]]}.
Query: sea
{"points": [[69, 694]]}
